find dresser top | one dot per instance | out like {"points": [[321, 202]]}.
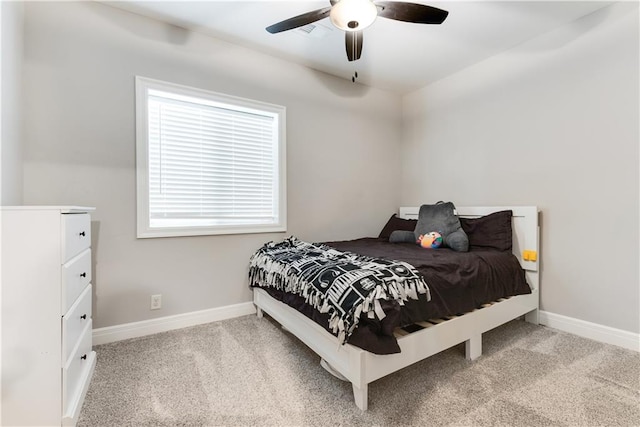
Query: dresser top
{"points": [[61, 209]]}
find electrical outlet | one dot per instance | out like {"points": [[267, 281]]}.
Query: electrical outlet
{"points": [[156, 302]]}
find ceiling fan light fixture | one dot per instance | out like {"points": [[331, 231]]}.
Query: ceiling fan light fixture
{"points": [[353, 15]]}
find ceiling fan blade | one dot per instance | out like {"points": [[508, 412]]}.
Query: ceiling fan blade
{"points": [[411, 12], [353, 41], [299, 21]]}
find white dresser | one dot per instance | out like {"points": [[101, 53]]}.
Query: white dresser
{"points": [[47, 361]]}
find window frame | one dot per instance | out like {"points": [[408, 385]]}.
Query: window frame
{"points": [[144, 230]]}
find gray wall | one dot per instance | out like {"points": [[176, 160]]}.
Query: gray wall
{"points": [[11, 88], [80, 62], [554, 123]]}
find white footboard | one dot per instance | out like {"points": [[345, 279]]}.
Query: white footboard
{"points": [[361, 367]]}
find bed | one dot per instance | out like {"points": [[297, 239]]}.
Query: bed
{"points": [[429, 336]]}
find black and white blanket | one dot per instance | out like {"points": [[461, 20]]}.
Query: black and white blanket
{"points": [[342, 284]]}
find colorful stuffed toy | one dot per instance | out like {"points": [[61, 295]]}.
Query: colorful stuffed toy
{"points": [[430, 240]]}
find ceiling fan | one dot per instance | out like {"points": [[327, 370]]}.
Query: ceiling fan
{"points": [[353, 16]]}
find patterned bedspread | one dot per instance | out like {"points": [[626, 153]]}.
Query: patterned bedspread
{"points": [[342, 284]]}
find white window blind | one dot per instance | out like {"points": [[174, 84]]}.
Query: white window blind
{"points": [[212, 166]]}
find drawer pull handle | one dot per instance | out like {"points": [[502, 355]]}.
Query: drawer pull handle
{"points": [[82, 234], [83, 317], [84, 357], [83, 275]]}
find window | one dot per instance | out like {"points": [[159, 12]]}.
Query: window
{"points": [[207, 163]]}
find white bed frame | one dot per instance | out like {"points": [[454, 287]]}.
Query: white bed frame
{"points": [[361, 367]]}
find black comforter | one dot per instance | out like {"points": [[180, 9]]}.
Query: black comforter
{"points": [[459, 282]]}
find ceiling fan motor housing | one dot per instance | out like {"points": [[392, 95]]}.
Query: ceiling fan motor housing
{"points": [[353, 15]]}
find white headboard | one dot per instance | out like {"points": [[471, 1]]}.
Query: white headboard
{"points": [[525, 226]]}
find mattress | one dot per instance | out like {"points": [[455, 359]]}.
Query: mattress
{"points": [[459, 282]]}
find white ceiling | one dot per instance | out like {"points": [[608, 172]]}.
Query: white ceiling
{"points": [[396, 56]]}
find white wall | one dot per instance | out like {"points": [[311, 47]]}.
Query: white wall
{"points": [[10, 103], [80, 62], [554, 123]]}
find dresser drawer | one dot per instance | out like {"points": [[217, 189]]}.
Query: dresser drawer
{"points": [[76, 275], [74, 322], [76, 235], [75, 368]]}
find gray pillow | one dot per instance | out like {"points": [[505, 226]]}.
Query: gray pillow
{"points": [[441, 217], [402, 236]]}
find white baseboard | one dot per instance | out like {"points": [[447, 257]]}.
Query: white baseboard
{"points": [[571, 325], [590, 330], [169, 323]]}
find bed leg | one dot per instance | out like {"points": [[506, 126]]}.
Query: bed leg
{"points": [[360, 396], [473, 347], [259, 312], [532, 317]]}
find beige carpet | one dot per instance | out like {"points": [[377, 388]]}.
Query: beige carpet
{"points": [[248, 371]]}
